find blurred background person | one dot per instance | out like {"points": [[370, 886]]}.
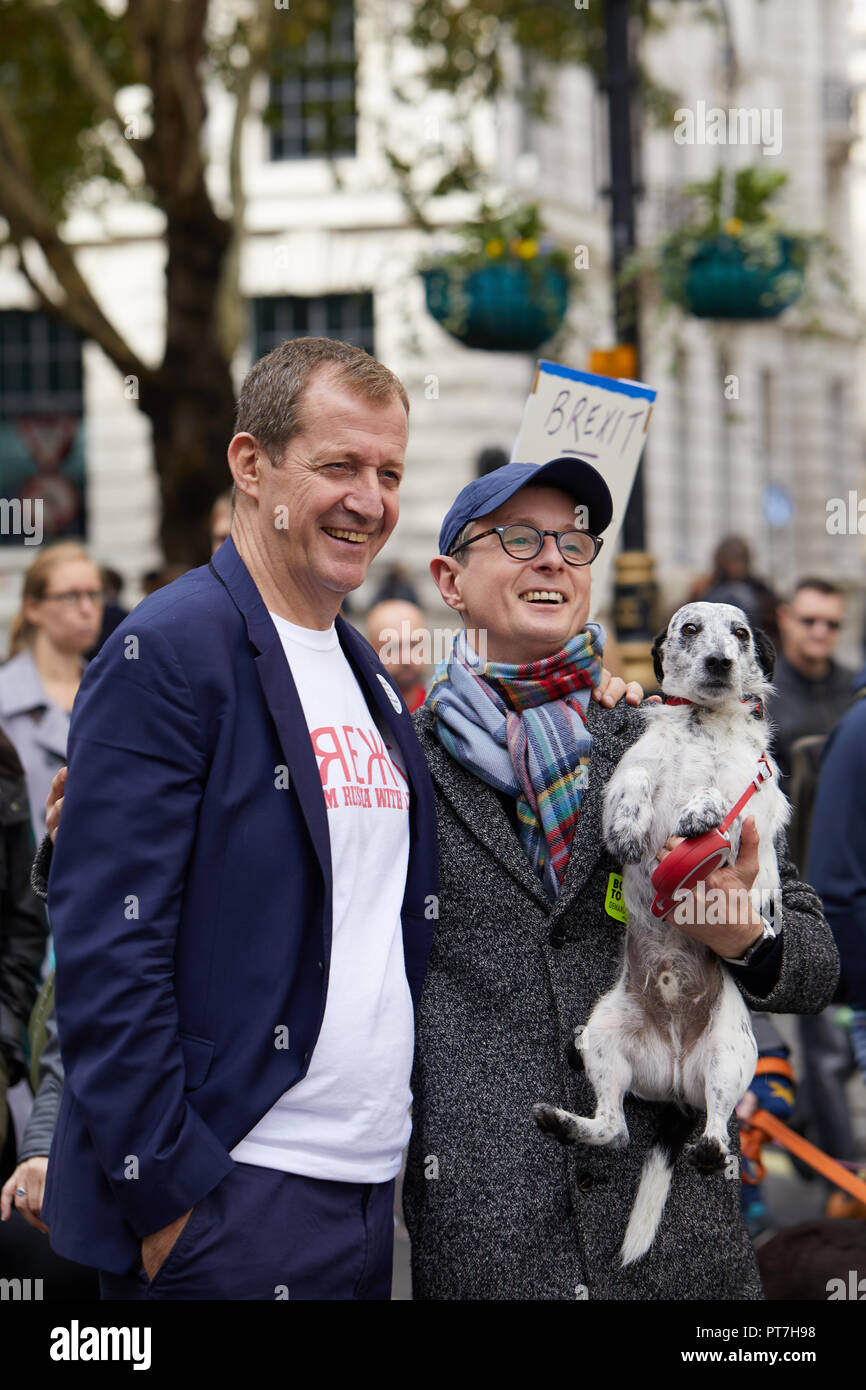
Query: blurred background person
{"points": [[837, 869], [812, 690], [59, 620], [812, 693], [157, 579], [22, 938], [23, 935], [398, 631], [113, 613], [396, 584], [220, 520], [732, 581]]}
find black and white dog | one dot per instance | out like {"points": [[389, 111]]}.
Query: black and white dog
{"points": [[675, 1027]]}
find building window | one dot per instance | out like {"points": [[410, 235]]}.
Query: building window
{"points": [[345, 316], [41, 425], [312, 96]]}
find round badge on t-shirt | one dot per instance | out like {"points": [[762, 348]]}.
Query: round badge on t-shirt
{"points": [[390, 692]]}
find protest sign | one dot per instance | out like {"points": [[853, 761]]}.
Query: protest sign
{"points": [[598, 418]]}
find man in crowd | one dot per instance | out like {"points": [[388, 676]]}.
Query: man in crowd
{"points": [[530, 935], [242, 884], [837, 856], [398, 631], [812, 690], [812, 693]]}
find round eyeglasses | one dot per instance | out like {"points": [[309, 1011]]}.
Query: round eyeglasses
{"points": [[523, 542]]}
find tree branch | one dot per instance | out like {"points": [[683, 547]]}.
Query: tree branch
{"points": [[84, 60], [27, 216], [231, 317]]}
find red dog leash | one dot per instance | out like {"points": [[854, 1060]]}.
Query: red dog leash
{"points": [[697, 857]]}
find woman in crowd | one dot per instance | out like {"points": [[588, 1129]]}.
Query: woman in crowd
{"points": [[59, 620]]}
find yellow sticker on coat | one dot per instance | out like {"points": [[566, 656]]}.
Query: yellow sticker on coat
{"points": [[614, 902]]}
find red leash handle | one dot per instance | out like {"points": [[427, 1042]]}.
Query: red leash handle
{"points": [[697, 856]]}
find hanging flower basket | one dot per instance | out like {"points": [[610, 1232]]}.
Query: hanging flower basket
{"points": [[502, 308], [505, 285], [726, 279], [732, 257]]}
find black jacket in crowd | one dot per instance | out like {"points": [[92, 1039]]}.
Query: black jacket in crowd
{"points": [[23, 927]]}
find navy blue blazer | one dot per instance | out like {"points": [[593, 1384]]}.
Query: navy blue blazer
{"points": [[190, 900]]}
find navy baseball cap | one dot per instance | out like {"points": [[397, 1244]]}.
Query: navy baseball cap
{"points": [[574, 476]]}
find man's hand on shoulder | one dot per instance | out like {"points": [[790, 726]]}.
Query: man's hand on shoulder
{"points": [[156, 1248], [611, 689]]}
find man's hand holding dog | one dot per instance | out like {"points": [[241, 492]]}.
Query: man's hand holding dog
{"points": [[733, 930]]}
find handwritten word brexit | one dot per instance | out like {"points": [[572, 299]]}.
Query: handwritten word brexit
{"points": [[357, 763], [593, 419]]}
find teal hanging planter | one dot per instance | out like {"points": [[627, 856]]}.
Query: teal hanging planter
{"points": [[723, 279], [501, 308]]}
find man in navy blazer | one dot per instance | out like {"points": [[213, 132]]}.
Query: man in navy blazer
{"points": [[213, 947]]}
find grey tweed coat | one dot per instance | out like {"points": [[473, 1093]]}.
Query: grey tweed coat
{"points": [[496, 1210]]}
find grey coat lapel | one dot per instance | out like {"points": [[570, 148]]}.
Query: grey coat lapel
{"points": [[587, 846], [478, 807], [481, 811]]}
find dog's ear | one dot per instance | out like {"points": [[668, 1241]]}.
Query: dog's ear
{"points": [[765, 652], [658, 648]]}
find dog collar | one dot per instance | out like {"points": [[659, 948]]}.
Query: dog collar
{"points": [[755, 701]]}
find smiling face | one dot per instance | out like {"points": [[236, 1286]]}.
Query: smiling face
{"points": [[323, 510], [527, 609]]}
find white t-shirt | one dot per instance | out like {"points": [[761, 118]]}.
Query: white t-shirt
{"points": [[347, 1120]]}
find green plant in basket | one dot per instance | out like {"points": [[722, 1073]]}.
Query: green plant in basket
{"points": [[505, 284], [733, 256]]}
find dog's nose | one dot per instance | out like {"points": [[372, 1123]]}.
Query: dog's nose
{"points": [[718, 664]]}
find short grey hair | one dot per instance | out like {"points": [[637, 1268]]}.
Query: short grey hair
{"points": [[462, 535], [271, 397]]}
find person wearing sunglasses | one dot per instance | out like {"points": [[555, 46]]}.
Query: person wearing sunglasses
{"points": [[812, 690], [529, 932]]}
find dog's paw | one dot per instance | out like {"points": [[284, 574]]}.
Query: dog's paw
{"points": [[704, 812], [707, 1155], [557, 1123], [625, 837]]}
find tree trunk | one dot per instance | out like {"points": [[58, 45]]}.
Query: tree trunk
{"points": [[192, 425], [190, 402]]}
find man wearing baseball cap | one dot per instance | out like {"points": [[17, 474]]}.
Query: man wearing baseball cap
{"points": [[530, 932]]}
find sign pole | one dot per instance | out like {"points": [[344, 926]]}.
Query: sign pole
{"points": [[635, 586]]}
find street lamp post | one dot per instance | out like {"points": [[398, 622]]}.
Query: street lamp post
{"points": [[635, 588]]}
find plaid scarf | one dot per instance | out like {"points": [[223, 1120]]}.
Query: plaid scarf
{"points": [[523, 730]]}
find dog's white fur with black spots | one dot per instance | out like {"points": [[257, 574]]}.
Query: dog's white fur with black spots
{"points": [[675, 1027]]}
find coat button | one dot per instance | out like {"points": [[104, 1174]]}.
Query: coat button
{"points": [[584, 1182], [557, 938], [14, 806]]}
